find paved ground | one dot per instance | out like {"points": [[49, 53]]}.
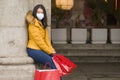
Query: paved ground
{"points": [[95, 71]]}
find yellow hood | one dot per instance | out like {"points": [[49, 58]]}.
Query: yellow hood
{"points": [[29, 18]]}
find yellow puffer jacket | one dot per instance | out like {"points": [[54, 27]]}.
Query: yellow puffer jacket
{"points": [[38, 36]]}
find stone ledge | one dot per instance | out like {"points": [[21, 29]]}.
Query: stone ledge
{"points": [[88, 46], [16, 60], [94, 59], [91, 50], [89, 53]]}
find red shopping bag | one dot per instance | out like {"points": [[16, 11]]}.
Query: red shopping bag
{"points": [[63, 64], [47, 74]]}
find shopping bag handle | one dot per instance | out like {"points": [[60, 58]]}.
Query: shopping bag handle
{"points": [[48, 63]]}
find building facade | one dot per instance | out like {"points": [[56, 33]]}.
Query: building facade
{"points": [[95, 61]]}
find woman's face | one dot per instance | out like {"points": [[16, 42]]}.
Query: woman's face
{"points": [[40, 14], [40, 10]]}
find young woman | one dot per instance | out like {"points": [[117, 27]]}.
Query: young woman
{"points": [[39, 46]]}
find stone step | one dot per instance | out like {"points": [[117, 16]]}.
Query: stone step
{"points": [[16, 77], [87, 46], [94, 59], [88, 52], [88, 49]]}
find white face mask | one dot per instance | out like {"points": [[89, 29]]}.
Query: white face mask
{"points": [[40, 16]]}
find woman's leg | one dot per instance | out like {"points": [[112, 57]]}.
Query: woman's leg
{"points": [[41, 57]]}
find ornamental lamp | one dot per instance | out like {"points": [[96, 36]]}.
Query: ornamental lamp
{"points": [[64, 4]]}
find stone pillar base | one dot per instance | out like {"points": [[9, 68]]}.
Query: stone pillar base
{"points": [[21, 68]]}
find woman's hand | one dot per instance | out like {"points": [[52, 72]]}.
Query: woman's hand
{"points": [[53, 52]]}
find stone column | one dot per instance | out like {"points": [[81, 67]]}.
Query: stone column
{"points": [[14, 62]]}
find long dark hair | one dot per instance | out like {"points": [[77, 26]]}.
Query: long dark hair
{"points": [[44, 20]]}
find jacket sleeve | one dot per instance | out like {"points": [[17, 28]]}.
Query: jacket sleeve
{"points": [[38, 38], [48, 39]]}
